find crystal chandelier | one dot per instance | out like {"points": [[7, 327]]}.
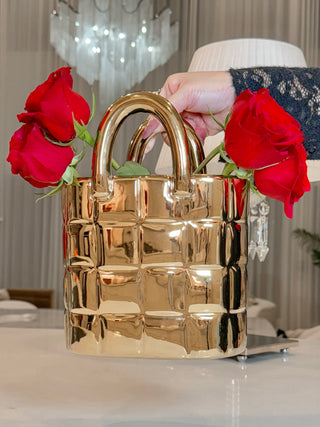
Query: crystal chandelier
{"points": [[115, 42]]}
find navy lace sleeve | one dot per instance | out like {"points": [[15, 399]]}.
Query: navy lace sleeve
{"points": [[297, 90]]}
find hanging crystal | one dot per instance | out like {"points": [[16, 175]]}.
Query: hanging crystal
{"points": [[253, 216], [258, 230], [262, 231]]}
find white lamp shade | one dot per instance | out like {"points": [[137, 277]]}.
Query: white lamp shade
{"points": [[242, 53]]}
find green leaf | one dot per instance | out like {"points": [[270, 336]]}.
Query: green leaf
{"points": [[83, 134], [227, 120], [209, 157], [246, 189], [59, 143], [225, 156], [115, 164], [93, 107], [254, 189], [242, 173], [53, 191], [130, 169], [78, 157], [70, 175], [228, 169]]}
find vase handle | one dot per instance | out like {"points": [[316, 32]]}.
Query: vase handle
{"points": [[138, 145], [164, 111]]}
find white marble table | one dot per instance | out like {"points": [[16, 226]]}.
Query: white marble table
{"points": [[42, 384], [48, 318]]}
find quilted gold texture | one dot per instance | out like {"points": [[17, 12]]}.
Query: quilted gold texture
{"points": [[156, 265], [152, 275]]}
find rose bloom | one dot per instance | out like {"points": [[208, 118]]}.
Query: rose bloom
{"points": [[53, 104], [286, 181], [260, 132], [37, 160]]}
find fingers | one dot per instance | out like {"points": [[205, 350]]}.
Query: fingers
{"points": [[165, 138], [198, 124], [150, 145], [168, 89], [154, 126], [192, 95], [152, 141]]}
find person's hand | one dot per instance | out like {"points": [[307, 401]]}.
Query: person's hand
{"points": [[193, 94]]}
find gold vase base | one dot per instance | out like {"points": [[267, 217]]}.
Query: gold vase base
{"points": [[208, 336]]}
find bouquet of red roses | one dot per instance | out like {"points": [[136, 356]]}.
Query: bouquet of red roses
{"points": [[41, 151], [263, 143]]}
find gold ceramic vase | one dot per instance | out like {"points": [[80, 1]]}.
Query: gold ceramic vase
{"points": [[155, 266]]}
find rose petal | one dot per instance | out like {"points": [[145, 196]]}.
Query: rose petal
{"points": [[37, 160], [54, 104], [286, 181]]}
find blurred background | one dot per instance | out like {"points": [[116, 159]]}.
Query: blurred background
{"points": [[30, 232]]}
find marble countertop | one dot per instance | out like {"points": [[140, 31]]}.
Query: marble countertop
{"points": [[42, 384], [47, 318]]}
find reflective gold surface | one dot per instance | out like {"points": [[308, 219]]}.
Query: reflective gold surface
{"points": [[112, 120], [138, 145], [149, 273]]}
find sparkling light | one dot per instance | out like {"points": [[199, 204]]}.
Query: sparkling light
{"points": [[117, 53]]}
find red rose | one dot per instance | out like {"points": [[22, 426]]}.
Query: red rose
{"points": [[260, 131], [36, 159], [286, 181], [53, 104]]}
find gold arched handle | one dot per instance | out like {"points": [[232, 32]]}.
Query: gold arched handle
{"points": [[138, 145], [164, 111]]}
